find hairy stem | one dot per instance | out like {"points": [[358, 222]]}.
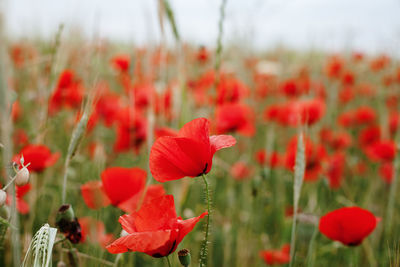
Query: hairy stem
{"points": [[203, 250]]}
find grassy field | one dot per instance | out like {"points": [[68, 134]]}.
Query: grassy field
{"points": [[97, 124]]}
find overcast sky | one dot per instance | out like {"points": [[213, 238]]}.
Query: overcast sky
{"points": [[366, 25]]}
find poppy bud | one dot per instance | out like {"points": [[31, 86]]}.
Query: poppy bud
{"points": [[68, 223], [3, 197], [22, 177], [61, 264], [184, 257]]}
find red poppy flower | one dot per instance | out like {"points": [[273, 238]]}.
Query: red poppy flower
{"points": [[364, 115], [386, 172], [230, 90], [152, 192], [235, 117], [202, 55], [94, 196], [165, 131], [39, 157], [68, 93], [290, 88], [260, 156], [348, 225], [382, 151], [94, 231], [314, 155], [155, 229], [121, 184], [280, 256], [22, 205], [334, 67], [335, 169], [131, 131], [190, 153], [240, 171], [369, 136], [121, 62]]}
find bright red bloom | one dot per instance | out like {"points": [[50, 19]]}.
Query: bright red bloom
{"points": [[131, 131], [364, 115], [369, 136], [386, 172], [260, 156], [152, 192], [273, 257], [296, 112], [39, 157], [348, 225], [230, 90], [121, 62], [68, 93], [235, 117], [121, 184], [155, 229], [190, 153], [290, 88], [312, 111], [382, 151], [94, 231]]}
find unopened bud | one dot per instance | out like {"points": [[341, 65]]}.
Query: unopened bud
{"points": [[3, 197], [184, 257], [22, 177], [68, 223]]}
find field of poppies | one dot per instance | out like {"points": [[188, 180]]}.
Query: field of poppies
{"points": [[123, 155]]}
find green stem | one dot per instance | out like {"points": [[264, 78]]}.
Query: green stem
{"points": [[203, 251], [169, 262]]}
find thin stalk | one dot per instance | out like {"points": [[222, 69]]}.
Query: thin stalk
{"points": [[218, 53], [76, 138], [169, 262], [299, 170], [203, 250]]}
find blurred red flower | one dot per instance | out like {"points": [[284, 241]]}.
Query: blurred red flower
{"points": [[235, 117], [155, 229], [68, 93], [240, 171], [348, 225], [121, 62], [190, 153], [94, 231], [275, 257], [39, 157], [384, 150]]}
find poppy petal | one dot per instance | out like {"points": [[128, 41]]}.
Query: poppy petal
{"points": [[141, 242], [185, 226], [93, 195], [120, 184], [221, 141]]}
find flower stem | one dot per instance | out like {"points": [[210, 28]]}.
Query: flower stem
{"points": [[169, 263], [203, 250]]}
